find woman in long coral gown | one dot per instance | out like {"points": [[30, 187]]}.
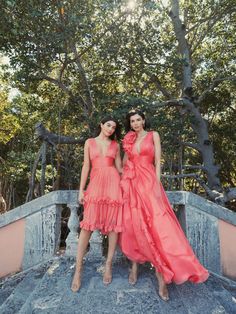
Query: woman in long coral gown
{"points": [[152, 232], [103, 198]]}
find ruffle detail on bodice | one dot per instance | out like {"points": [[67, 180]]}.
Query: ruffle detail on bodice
{"points": [[128, 142], [128, 170]]}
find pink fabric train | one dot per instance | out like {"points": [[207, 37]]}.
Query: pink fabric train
{"points": [[151, 230]]}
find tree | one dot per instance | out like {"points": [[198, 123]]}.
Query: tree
{"points": [[171, 60]]}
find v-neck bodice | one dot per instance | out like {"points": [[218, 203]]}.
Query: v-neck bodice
{"points": [[100, 150], [146, 147], [96, 156]]}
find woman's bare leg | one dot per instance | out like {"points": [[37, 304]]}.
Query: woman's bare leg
{"points": [[163, 291], [112, 241], [133, 275], [82, 247]]}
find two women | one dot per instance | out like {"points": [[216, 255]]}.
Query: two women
{"points": [[151, 232]]}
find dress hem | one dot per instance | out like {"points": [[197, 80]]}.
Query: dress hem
{"points": [[104, 229], [192, 278]]}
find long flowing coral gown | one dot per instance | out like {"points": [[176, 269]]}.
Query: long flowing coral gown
{"points": [[152, 232], [103, 197]]}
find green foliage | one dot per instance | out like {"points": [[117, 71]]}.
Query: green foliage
{"points": [[9, 122], [126, 56]]}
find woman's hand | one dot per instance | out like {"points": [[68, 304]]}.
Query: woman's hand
{"points": [[81, 197]]}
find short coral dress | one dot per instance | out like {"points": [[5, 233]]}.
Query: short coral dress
{"points": [[152, 232], [103, 197]]}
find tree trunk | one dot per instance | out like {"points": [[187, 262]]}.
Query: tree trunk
{"points": [[29, 196], [180, 33], [43, 170], [43, 134], [205, 147], [199, 125]]}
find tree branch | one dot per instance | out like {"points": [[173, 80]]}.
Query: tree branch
{"points": [[84, 82], [215, 83], [113, 24], [43, 134], [192, 145], [211, 21], [228, 196], [154, 79], [213, 195], [198, 167], [78, 99], [180, 176], [158, 84]]}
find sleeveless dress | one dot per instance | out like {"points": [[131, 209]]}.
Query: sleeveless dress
{"points": [[103, 196], [152, 232]]}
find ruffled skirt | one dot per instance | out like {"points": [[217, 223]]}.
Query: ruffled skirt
{"points": [[103, 201], [151, 230]]}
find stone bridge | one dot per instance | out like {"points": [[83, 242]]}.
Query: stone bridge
{"points": [[36, 280]]}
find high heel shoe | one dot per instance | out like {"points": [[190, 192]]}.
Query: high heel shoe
{"points": [[107, 277], [162, 291], [76, 282], [164, 297], [133, 275]]}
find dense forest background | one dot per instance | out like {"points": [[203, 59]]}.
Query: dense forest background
{"points": [[65, 64]]}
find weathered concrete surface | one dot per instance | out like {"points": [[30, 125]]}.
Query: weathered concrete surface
{"points": [[71, 196], [7, 286], [52, 293], [197, 216], [223, 292], [42, 236], [211, 208], [24, 288], [45, 201], [73, 225], [202, 233]]}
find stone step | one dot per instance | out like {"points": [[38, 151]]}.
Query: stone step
{"points": [[47, 295], [198, 298], [175, 304], [8, 284], [48, 291], [119, 297], [223, 292], [74, 302], [23, 290]]}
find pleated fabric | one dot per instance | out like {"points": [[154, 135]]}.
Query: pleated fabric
{"points": [[152, 232], [103, 198]]}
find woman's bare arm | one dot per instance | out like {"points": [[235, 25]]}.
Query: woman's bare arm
{"points": [[125, 158], [84, 172], [157, 147], [118, 160]]}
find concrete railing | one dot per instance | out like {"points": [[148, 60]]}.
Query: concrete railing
{"points": [[211, 231], [30, 234]]}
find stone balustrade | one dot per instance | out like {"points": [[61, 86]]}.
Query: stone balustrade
{"points": [[30, 234]]}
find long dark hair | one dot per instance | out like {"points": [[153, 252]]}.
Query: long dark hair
{"points": [[132, 113], [117, 134]]}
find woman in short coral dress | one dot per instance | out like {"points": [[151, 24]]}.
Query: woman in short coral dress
{"points": [[151, 231], [103, 199]]}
